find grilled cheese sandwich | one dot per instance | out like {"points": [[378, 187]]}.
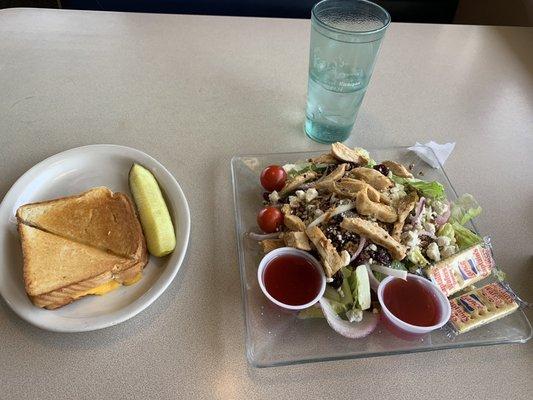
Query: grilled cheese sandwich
{"points": [[101, 248]]}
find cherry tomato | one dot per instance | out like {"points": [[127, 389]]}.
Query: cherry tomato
{"points": [[273, 178], [269, 219]]}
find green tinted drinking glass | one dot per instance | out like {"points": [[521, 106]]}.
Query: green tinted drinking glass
{"points": [[345, 40]]}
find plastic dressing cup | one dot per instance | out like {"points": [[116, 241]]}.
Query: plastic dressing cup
{"points": [[406, 330], [289, 277]]}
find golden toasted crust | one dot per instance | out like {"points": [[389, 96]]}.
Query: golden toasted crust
{"points": [[51, 262], [74, 244], [98, 217], [68, 294]]}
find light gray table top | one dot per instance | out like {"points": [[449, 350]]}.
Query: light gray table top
{"points": [[193, 91]]}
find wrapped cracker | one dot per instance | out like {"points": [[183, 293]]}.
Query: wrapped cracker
{"points": [[462, 269], [481, 306]]}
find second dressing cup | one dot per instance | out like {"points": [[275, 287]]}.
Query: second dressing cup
{"points": [[403, 329]]}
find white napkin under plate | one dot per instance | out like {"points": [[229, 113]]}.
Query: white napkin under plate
{"points": [[442, 151]]}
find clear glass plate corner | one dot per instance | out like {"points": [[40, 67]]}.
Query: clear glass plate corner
{"points": [[275, 338]]}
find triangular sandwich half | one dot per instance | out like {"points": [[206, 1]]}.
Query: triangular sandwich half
{"points": [[98, 217], [58, 271]]}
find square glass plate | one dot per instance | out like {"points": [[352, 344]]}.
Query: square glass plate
{"points": [[274, 337]]}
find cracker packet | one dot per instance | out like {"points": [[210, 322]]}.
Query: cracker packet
{"points": [[481, 306], [463, 269]]}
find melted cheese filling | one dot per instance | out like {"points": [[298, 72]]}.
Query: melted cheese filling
{"points": [[110, 286]]}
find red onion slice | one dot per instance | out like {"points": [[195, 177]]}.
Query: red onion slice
{"points": [[362, 242], [330, 214], [374, 283], [263, 236], [398, 273], [442, 219], [419, 209], [352, 330]]}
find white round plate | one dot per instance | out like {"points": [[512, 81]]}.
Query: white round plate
{"points": [[72, 172]]}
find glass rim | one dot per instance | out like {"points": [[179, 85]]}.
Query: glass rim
{"points": [[345, 31]]}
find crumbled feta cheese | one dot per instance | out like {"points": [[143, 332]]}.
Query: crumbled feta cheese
{"points": [[300, 194], [371, 260], [345, 258], [448, 251], [340, 291], [397, 192], [396, 197], [311, 194], [294, 202], [411, 239], [318, 212], [373, 247], [439, 207], [273, 197], [329, 280], [428, 226], [443, 241], [433, 252]]}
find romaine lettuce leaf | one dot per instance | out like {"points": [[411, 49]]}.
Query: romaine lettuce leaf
{"points": [[298, 169], [464, 209], [464, 237], [417, 258], [446, 230], [432, 190]]}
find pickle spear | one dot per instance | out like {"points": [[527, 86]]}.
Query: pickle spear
{"points": [[153, 211]]}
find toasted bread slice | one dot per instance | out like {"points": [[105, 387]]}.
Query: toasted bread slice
{"points": [[58, 271], [52, 262], [99, 284], [98, 218]]}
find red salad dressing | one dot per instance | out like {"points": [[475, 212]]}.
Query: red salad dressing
{"points": [[292, 280], [412, 302]]}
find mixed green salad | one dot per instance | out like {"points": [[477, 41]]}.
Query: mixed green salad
{"points": [[363, 220]]}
